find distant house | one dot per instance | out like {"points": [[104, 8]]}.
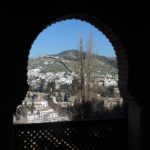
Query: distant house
{"points": [[110, 103], [32, 117], [116, 91]]}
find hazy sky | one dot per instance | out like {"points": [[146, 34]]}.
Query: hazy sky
{"points": [[65, 35]]}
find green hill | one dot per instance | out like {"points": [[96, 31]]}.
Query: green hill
{"points": [[67, 61]]}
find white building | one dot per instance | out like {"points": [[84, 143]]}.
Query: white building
{"points": [[110, 103], [109, 80]]}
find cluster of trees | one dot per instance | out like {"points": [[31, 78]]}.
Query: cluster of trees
{"points": [[83, 85], [84, 88]]}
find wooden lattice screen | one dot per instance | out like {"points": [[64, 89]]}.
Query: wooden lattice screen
{"points": [[107, 134]]}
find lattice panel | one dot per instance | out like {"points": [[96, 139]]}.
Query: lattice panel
{"points": [[88, 135]]}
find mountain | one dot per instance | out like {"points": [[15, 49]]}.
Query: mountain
{"points": [[73, 55], [69, 54], [68, 61]]}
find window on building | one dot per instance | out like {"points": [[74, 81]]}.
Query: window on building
{"points": [[72, 75]]}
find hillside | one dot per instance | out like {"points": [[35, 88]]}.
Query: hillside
{"points": [[73, 55], [68, 61]]}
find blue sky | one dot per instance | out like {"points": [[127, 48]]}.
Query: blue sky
{"points": [[65, 35]]}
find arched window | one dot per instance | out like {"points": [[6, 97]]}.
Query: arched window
{"points": [[86, 123], [73, 74]]}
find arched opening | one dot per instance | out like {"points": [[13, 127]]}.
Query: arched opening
{"points": [[108, 102], [123, 76]]}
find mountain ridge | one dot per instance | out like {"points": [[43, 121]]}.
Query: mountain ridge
{"points": [[69, 58], [67, 54]]}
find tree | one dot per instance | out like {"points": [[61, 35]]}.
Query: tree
{"points": [[65, 98], [111, 91], [32, 107], [88, 66], [75, 86], [86, 60], [42, 85], [82, 78], [50, 88]]}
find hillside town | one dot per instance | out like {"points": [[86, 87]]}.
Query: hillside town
{"points": [[57, 97], [72, 85]]}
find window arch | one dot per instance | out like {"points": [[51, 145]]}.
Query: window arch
{"points": [[117, 44], [119, 47]]}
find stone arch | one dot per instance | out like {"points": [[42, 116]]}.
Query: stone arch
{"points": [[119, 47]]}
